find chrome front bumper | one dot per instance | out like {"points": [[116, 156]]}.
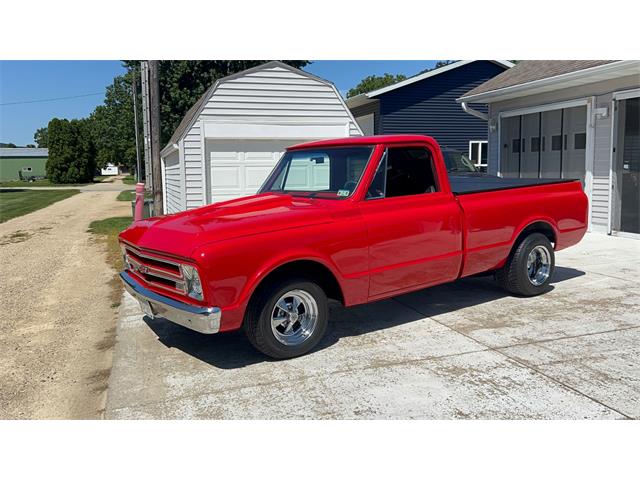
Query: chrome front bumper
{"points": [[200, 319]]}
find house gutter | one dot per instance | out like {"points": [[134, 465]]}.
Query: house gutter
{"points": [[473, 112]]}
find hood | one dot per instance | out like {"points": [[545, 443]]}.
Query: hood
{"points": [[181, 233]]}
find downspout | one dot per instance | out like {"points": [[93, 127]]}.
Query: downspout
{"points": [[473, 112]]}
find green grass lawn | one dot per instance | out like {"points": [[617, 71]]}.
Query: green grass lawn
{"points": [[15, 203], [106, 231], [130, 195], [129, 180], [47, 183]]}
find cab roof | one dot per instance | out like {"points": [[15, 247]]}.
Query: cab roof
{"points": [[371, 140]]}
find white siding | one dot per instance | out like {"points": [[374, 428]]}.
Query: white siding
{"points": [[273, 95], [173, 187], [601, 165], [278, 95], [193, 167]]}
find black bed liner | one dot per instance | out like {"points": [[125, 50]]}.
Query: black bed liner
{"points": [[464, 184]]}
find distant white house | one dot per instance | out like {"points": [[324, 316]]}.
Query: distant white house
{"points": [[110, 169], [231, 139]]}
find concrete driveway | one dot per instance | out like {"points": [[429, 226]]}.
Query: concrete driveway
{"points": [[464, 350]]}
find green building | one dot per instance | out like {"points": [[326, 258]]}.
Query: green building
{"points": [[16, 163]]}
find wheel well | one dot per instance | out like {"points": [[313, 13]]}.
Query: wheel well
{"points": [[314, 271], [536, 227]]}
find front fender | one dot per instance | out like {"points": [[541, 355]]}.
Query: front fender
{"points": [[232, 269]]}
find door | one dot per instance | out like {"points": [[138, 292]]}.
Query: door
{"points": [[414, 227], [627, 167], [510, 150], [549, 144], [530, 146], [574, 143], [551, 149], [237, 168]]}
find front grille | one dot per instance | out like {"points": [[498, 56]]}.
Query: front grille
{"points": [[155, 271]]}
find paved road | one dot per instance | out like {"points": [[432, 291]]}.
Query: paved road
{"points": [[464, 350], [56, 320]]}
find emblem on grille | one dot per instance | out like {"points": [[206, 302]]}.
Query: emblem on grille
{"points": [[142, 269]]}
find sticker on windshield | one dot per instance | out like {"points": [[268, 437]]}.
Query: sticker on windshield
{"points": [[344, 193]]}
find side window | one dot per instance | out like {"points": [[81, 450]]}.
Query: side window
{"points": [[404, 171]]}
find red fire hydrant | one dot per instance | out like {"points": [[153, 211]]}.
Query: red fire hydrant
{"points": [[139, 202]]}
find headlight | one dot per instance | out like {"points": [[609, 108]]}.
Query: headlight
{"points": [[193, 287]]}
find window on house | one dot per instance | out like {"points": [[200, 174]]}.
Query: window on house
{"points": [[478, 152], [535, 144], [515, 145], [580, 141], [26, 169], [403, 171], [556, 143]]}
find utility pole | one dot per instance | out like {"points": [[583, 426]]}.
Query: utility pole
{"points": [[135, 121], [154, 107], [146, 130]]}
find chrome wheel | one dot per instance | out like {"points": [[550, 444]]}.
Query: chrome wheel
{"points": [[538, 265], [294, 317]]}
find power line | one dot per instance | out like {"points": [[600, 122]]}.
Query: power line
{"points": [[52, 99]]}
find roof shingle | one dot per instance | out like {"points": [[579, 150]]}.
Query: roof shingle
{"points": [[531, 70]]}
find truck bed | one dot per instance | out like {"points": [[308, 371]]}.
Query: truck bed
{"points": [[465, 184]]}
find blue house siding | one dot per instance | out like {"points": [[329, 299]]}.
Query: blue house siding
{"points": [[429, 107]]}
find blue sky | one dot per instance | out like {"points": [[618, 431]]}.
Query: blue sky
{"points": [[22, 81]]}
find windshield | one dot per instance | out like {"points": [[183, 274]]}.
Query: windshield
{"points": [[320, 172], [457, 161]]}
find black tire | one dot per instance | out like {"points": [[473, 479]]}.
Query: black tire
{"points": [[514, 276], [257, 322]]}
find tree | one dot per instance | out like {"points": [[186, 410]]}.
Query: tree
{"points": [[374, 82], [71, 151], [8, 145], [439, 63], [112, 125], [110, 128], [41, 137], [183, 82], [30, 145]]}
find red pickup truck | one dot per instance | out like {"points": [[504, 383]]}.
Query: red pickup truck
{"points": [[354, 220]]}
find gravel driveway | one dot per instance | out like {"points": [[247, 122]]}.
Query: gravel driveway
{"points": [[464, 350], [56, 322]]}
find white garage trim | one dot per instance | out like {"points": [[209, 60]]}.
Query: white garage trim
{"points": [[206, 192], [613, 111], [164, 184], [260, 131], [625, 94], [183, 176], [579, 102]]}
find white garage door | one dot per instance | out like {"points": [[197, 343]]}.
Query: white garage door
{"points": [[239, 167]]}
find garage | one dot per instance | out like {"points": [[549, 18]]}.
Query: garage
{"points": [[238, 167], [570, 119], [230, 140], [545, 144]]}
